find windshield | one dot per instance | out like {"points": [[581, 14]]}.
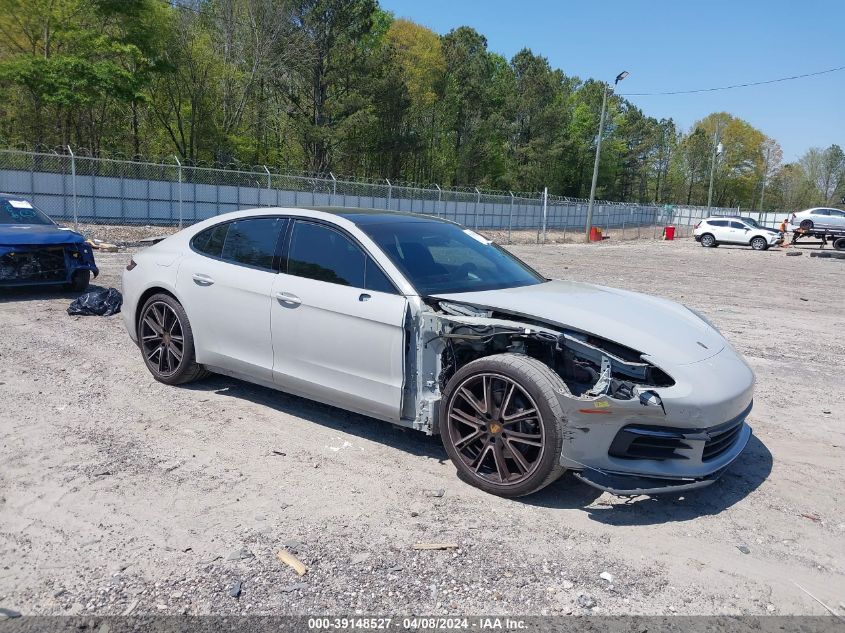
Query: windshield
{"points": [[442, 258], [19, 211]]}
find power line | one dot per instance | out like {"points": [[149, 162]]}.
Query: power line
{"points": [[746, 85]]}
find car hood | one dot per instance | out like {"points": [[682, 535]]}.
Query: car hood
{"points": [[661, 329], [37, 235]]}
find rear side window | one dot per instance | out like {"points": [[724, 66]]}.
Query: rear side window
{"points": [[717, 222], [253, 241], [210, 242], [821, 212]]}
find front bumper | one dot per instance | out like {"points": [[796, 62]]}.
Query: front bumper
{"points": [[44, 264], [684, 439]]}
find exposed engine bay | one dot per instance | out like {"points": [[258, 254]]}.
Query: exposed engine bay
{"points": [[43, 264], [453, 334]]}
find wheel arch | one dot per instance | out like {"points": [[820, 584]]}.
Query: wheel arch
{"points": [[142, 299]]}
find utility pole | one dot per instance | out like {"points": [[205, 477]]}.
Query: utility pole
{"points": [[717, 149], [589, 224], [765, 176]]}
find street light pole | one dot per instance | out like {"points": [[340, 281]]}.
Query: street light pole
{"points": [[589, 223]]}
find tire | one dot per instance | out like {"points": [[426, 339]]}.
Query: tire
{"points": [[708, 241], [80, 280], [159, 352], [759, 243], [839, 244], [497, 461], [806, 224]]}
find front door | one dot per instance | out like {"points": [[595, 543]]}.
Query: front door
{"points": [[338, 324]]}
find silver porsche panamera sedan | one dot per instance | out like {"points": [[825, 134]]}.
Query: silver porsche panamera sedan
{"points": [[423, 323]]}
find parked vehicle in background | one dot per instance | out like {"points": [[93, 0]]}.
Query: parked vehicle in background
{"points": [[34, 250], [717, 230], [818, 218], [423, 323]]}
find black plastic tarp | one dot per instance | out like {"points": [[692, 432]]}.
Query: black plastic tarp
{"points": [[97, 302]]}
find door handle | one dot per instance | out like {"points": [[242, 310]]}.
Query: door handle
{"points": [[364, 297], [201, 279], [286, 297]]}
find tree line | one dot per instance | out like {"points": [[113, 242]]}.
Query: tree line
{"points": [[344, 86]]}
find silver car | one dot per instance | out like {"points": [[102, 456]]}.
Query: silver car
{"points": [[818, 218], [425, 324]]}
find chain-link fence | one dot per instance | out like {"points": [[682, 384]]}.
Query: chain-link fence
{"points": [[82, 189]]}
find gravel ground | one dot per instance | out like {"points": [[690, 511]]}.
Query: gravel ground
{"points": [[119, 494]]}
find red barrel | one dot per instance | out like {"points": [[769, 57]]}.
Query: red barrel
{"points": [[595, 234], [669, 232]]}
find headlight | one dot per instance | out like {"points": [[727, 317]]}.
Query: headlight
{"points": [[703, 318]]}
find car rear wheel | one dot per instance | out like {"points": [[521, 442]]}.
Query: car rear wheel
{"points": [[708, 241], [806, 224], [80, 280], [759, 244], [502, 424], [167, 342]]}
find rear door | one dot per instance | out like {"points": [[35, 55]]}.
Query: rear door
{"points": [[720, 229], [820, 218], [225, 284], [338, 324]]}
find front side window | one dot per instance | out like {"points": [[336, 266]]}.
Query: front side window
{"points": [[318, 252], [442, 258], [322, 253], [738, 225]]}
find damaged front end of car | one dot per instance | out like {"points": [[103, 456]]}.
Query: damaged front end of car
{"points": [[634, 423], [45, 264]]}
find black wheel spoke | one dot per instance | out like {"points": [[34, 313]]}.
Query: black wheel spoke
{"points": [[533, 439], [519, 416]]}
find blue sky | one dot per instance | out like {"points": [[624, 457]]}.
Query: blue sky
{"points": [[678, 45]]}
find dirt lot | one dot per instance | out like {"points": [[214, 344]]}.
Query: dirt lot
{"points": [[120, 494]]}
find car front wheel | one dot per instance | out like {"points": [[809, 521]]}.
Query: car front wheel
{"points": [[759, 244], [806, 224], [80, 280], [502, 424], [167, 342]]}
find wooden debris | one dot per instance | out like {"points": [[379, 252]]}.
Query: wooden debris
{"points": [[292, 561], [427, 546]]}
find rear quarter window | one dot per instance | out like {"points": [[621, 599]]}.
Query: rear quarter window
{"points": [[210, 242]]}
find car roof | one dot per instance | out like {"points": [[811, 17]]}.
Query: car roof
{"points": [[358, 217], [378, 216]]}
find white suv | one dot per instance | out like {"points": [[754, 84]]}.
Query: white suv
{"points": [[736, 230]]}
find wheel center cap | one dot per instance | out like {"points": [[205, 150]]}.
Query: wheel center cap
{"points": [[494, 428]]}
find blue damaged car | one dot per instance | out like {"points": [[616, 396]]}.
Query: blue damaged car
{"points": [[34, 250]]}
